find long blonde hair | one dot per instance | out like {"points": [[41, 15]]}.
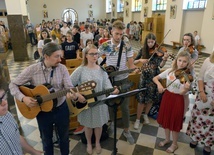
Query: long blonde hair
{"points": [[86, 50], [183, 53]]}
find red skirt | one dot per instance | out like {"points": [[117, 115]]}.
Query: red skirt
{"points": [[171, 112]]}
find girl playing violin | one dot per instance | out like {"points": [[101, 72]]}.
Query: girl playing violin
{"points": [[148, 97], [171, 110], [189, 42]]}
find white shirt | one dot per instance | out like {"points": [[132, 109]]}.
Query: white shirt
{"points": [[85, 36], [64, 30], [197, 38]]}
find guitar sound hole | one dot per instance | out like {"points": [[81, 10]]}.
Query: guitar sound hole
{"points": [[80, 105]]}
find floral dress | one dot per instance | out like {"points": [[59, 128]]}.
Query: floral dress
{"points": [[201, 126], [151, 95]]}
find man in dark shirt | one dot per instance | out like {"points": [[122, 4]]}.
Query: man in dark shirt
{"points": [[76, 34]]}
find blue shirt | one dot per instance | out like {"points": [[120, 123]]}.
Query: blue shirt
{"points": [[9, 136]]}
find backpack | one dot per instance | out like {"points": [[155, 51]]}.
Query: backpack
{"points": [[36, 55], [103, 137]]}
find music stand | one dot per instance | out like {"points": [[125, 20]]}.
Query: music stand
{"points": [[110, 102]]}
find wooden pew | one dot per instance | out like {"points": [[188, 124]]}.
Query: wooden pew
{"points": [[73, 63], [175, 44]]}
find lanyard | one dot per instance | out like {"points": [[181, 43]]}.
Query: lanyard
{"points": [[51, 75]]}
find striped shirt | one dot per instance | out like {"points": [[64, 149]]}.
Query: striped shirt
{"points": [[38, 74], [112, 51], [9, 136]]}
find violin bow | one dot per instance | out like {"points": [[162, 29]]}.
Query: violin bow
{"points": [[159, 45]]}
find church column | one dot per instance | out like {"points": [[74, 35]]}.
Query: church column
{"points": [[16, 27], [127, 13], [114, 9]]}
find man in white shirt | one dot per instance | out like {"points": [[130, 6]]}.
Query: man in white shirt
{"points": [[64, 29], [85, 36], [197, 41]]}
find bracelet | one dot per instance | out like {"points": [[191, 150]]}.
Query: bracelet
{"points": [[164, 60], [201, 91]]}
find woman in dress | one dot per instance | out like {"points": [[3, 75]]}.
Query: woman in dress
{"points": [[201, 126], [150, 96], [97, 116]]}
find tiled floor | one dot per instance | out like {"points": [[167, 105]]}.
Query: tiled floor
{"points": [[146, 137]]}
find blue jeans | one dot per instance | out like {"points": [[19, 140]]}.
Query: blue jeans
{"points": [[32, 38], [60, 117]]}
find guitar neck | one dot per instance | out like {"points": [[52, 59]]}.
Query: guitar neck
{"points": [[57, 94], [99, 93], [121, 72]]}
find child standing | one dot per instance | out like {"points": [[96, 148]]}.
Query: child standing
{"points": [[171, 111], [148, 97], [70, 47]]}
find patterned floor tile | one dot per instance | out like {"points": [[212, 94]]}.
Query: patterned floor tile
{"points": [[147, 137]]}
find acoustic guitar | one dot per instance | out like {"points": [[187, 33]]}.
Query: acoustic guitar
{"points": [[45, 98], [90, 96]]}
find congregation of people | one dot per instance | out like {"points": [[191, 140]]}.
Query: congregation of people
{"points": [[90, 43]]}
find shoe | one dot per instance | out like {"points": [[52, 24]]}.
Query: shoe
{"points": [[163, 143], [111, 129], [129, 137], [89, 150], [146, 119], [193, 144], [172, 148], [136, 124], [79, 130], [98, 149], [205, 152]]}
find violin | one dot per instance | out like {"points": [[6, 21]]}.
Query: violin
{"points": [[184, 75], [191, 49], [159, 51]]}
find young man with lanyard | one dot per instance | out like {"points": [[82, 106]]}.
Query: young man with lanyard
{"points": [[111, 50], [11, 140], [49, 70]]}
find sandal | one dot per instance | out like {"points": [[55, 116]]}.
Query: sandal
{"points": [[172, 148], [193, 144], [205, 150], [163, 143], [89, 149], [98, 149]]}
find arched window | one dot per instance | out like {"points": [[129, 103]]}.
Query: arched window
{"points": [[69, 15]]}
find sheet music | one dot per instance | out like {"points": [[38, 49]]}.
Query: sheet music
{"points": [[128, 93]]}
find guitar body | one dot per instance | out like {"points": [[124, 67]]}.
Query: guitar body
{"points": [[76, 108], [46, 97], [32, 112], [91, 98]]}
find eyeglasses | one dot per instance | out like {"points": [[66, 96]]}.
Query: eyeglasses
{"points": [[4, 97], [93, 54]]}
